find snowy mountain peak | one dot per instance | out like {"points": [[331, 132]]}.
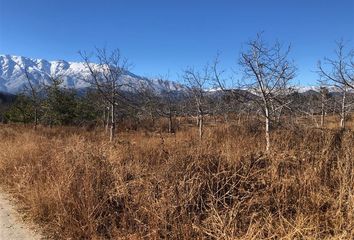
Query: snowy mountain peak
{"points": [[13, 77]]}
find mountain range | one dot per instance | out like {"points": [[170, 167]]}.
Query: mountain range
{"points": [[13, 76]]}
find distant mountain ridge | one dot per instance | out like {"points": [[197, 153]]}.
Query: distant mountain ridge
{"points": [[13, 77]]}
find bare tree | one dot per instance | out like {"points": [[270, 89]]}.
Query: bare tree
{"points": [[343, 112], [150, 102], [324, 99], [32, 90], [340, 72], [267, 73], [234, 99], [169, 98], [197, 82], [107, 76]]}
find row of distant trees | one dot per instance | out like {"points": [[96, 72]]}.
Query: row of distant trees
{"points": [[265, 89]]}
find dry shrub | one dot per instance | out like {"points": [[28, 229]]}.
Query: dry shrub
{"points": [[160, 186]]}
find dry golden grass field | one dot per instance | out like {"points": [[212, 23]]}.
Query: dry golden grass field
{"points": [[154, 185]]}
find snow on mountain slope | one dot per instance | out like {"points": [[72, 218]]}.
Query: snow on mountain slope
{"points": [[13, 78]]}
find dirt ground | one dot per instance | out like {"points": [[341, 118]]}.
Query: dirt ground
{"points": [[11, 225]]}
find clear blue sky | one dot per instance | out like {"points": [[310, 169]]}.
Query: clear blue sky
{"points": [[166, 36]]}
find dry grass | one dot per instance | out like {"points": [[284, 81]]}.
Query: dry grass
{"points": [[159, 186]]}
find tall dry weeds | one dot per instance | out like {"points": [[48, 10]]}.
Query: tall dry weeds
{"points": [[153, 186]]}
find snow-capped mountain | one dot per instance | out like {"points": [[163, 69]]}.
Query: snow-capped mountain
{"points": [[304, 89], [13, 78]]}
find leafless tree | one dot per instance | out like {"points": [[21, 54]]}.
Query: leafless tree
{"points": [[234, 99], [169, 102], [197, 82], [324, 99], [32, 89], [107, 76], [267, 73], [340, 72], [157, 102]]}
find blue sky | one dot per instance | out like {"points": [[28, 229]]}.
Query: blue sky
{"points": [[161, 37]]}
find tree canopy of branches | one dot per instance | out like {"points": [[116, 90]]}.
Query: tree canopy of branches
{"points": [[197, 82], [267, 73], [107, 76], [339, 72]]}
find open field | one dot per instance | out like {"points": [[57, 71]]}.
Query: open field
{"points": [[177, 120], [151, 185]]}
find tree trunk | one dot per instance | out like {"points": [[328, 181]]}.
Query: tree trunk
{"points": [[35, 118], [322, 113], [267, 129], [113, 123], [343, 113], [170, 123], [107, 119], [279, 115], [314, 118], [104, 117], [200, 117], [226, 118]]}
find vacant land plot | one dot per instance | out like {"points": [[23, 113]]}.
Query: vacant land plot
{"points": [[147, 185]]}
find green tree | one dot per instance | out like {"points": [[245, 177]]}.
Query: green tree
{"points": [[21, 111], [59, 106]]}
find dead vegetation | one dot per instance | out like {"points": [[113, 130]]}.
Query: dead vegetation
{"points": [[170, 186]]}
